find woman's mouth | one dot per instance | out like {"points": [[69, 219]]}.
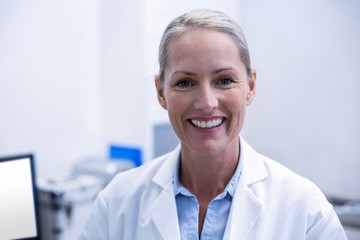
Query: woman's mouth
{"points": [[207, 124]]}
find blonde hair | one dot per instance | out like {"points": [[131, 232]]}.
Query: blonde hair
{"points": [[203, 19]]}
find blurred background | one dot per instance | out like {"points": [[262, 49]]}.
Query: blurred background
{"points": [[76, 77]]}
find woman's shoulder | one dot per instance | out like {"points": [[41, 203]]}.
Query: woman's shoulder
{"points": [[284, 180], [280, 173], [295, 187], [141, 178], [260, 168]]}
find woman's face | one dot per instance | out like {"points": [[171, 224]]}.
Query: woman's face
{"points": [[205, 90]]}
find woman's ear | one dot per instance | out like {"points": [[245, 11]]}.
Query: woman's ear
{"points": [[160, 92], [252, 87]]}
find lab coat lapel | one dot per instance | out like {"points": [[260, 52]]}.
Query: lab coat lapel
{"points": [[163, 212], [245, 211], [246, 207]]}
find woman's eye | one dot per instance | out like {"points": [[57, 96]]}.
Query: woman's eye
{"points": [[225, 81], [184, 83]]}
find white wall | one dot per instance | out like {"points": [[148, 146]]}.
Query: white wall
{"points": [[123, 79], [50, 103], [306, 113]]}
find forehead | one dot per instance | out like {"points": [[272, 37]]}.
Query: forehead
{"points": [[202, 48], [194, 38]]}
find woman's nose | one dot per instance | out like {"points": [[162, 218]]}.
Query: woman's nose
{"points": [[206, 99]]}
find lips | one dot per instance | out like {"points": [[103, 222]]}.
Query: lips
{"points": [[206, 124]]}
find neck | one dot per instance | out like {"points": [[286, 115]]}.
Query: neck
{"points": [[206, 176]]}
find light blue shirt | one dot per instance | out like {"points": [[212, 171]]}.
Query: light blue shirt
{"points": [[216, 214]]}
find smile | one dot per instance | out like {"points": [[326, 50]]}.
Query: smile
{"points": [[207, 124]]}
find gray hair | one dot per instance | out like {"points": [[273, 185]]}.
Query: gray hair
{"points": [[203, 19]]}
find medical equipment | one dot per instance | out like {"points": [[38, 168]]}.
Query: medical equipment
{"points": [[19, 207], [66, 200]]}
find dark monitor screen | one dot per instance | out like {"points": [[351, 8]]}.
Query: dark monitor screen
{"points": [[18, 199]]}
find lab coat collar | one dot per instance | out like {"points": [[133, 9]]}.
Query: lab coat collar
{"points": [[163, 211], [253, 169], [246, 207], [164, 175]]}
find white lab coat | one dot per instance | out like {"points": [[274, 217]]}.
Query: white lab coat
{"points": [[270, 202]]}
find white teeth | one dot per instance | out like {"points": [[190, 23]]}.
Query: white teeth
{"points": [[207, 124]]}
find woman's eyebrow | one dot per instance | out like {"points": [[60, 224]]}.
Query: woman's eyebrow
{"points": [[183, 72], [224, 69], [216, 71]]}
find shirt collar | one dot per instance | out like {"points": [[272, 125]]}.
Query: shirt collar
{"points": [[230, 187]]}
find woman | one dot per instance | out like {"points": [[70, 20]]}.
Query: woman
{"points": [[213, 185]]}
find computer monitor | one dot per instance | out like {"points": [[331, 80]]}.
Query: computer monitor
{"points": [[18, 198]]}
